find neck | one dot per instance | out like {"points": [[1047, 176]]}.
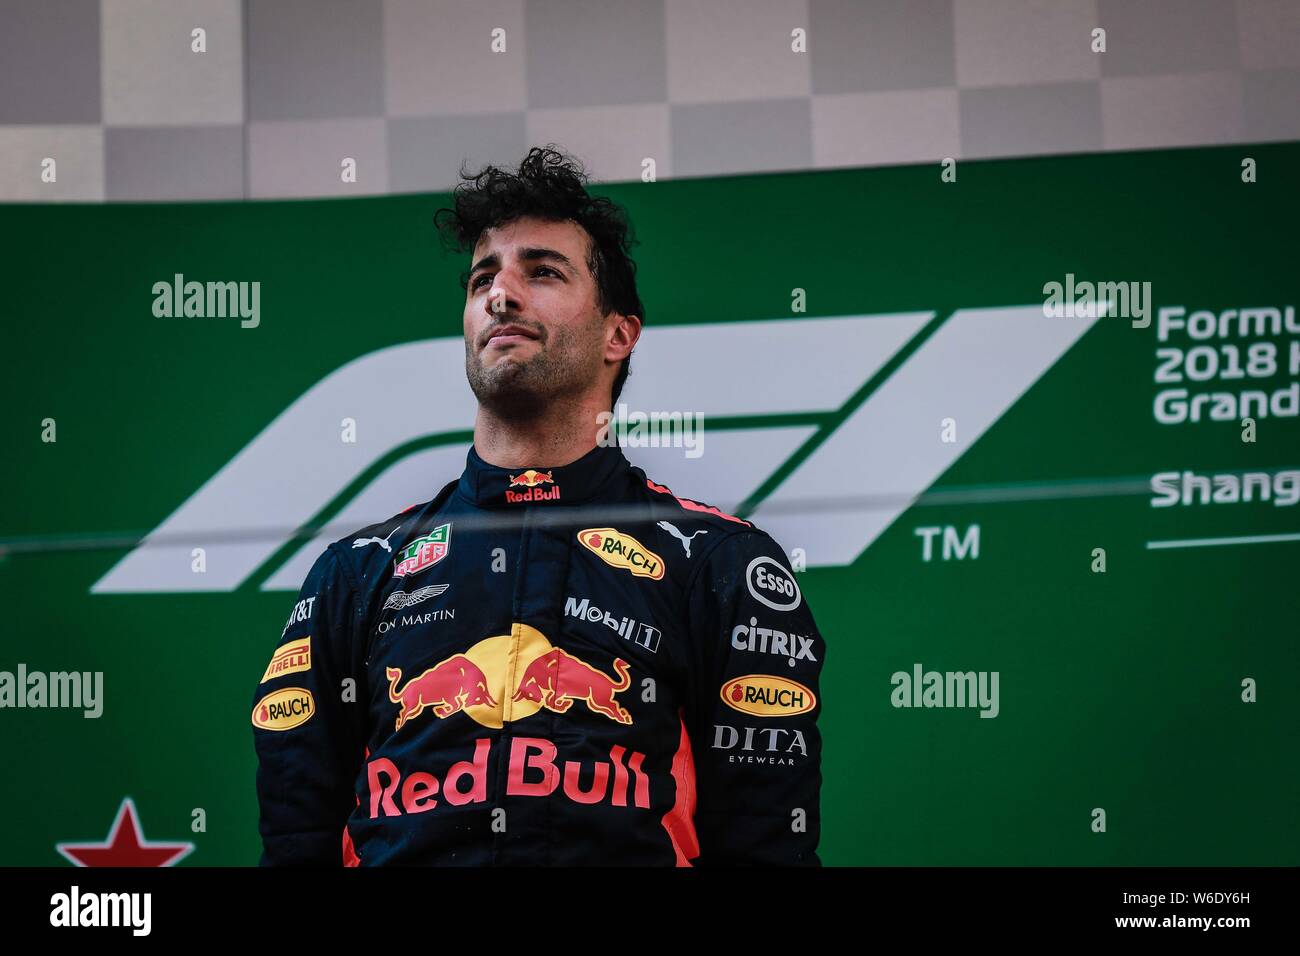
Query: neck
{"points": [[559, 433]]}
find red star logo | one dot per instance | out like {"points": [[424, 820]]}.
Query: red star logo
{"points": [[125, 846]]}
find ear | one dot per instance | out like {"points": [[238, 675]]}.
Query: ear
{"points": [[625, 332]]}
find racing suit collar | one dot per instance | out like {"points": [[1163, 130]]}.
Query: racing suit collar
{"points": [[489, 486]]}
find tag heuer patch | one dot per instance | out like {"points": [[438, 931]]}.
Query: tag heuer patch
{"points": [[424, 552]]}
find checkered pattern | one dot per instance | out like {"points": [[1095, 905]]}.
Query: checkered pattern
{"points": [[287, 90]]}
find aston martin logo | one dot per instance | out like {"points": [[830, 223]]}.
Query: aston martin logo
{"points": [[400, 599]]}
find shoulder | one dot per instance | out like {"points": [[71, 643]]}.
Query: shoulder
{"points": [[715, 541], [367, 554], [735, 567]]}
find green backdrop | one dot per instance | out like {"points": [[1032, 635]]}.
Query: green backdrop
{"points": [[1119, 691]]}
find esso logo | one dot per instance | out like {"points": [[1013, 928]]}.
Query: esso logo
{"points": [[772, 584]]}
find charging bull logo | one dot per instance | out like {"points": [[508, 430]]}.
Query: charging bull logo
{"points": [[532, 479], [447, 687], [557, 679], [475, 683]]}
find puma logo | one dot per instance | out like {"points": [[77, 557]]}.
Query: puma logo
{"points": [[382, 542], [686, 542]]}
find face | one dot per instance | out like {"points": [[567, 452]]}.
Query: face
{"points": [[533, 329]]}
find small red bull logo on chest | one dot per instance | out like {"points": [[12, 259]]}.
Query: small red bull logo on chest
{"points": [[534, 483]]}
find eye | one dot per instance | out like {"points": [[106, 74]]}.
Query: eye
{"points": [[478, 279], [554, 272]]}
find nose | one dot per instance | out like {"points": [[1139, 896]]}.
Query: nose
{"points": [[503, 295]]}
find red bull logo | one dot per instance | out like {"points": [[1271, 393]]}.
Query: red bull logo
{"points": [[534, 771], [540, 677], [532, 479], [447, 687], [557, 679]]}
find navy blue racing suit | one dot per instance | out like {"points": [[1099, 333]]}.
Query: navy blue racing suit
{"points": [[548, 666]]}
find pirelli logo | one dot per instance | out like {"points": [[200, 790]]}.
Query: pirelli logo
{"points": [[289, 659]]}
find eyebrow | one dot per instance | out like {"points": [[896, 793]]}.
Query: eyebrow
{"points": [[528, 254]]}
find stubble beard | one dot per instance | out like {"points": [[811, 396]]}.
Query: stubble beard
{"points": [[523, 388]]}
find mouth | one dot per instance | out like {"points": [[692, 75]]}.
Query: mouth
{"points": [[510, 335]]}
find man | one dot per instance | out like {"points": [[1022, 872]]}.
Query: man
{"points": [[556, 660]]}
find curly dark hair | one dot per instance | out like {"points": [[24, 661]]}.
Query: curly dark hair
{"points": [[549, 185]]}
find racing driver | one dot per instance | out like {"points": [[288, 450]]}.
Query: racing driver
{"points": [[555, 661]]}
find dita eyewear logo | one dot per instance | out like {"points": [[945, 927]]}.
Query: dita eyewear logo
{"points": [[946, 371]]}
